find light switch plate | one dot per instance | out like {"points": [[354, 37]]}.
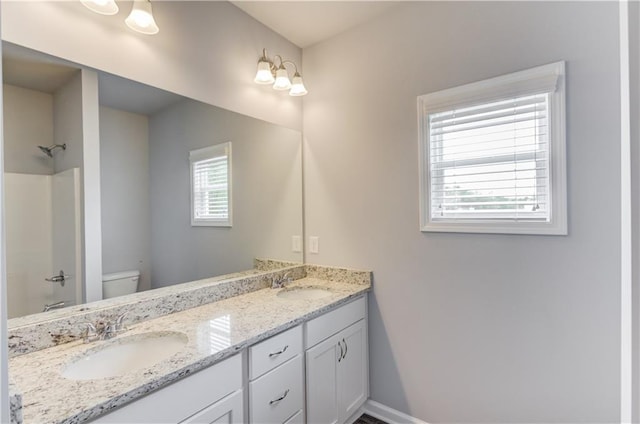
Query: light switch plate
{"points": [[314, 242], [296, 244]]}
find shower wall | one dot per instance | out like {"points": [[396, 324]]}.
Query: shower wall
{"points": [[28, 122], [67, 124], [67, 234], [29, 242], [42, 195], [43, 237]]}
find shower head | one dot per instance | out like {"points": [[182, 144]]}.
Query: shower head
{"points": [[49, 150], [46, 151]]}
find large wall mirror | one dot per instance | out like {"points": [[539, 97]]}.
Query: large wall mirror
{"points": [[146, 185]]}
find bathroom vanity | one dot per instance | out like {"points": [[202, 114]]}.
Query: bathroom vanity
{"points": [[288, 355]]}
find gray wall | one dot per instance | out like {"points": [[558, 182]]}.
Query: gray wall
{"points": [[124, 181], [28, 122], [267, 193], [206, 50], [470, 327]]}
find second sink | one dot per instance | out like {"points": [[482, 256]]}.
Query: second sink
{"points": [[125, 354]]}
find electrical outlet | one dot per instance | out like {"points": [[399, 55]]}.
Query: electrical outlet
{"points": [[314, 244], [296, 244]]}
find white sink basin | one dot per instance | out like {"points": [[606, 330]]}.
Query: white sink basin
{"points": [[304, 293], [125, 354]]}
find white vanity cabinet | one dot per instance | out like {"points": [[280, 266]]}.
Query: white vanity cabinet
{"points": [[212, 395], [337, 368], [276, 379], [266, 383]]}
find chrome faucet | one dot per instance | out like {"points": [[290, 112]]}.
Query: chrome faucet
{"points": [[278, 282], [104, 330], [57, 305]]}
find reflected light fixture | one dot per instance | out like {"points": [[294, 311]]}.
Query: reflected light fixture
{"points": [[103, 7], [269, 73], [141, 18]]}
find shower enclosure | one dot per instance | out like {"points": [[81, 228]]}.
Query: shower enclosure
{"points": [[43, 239], [43, 135]]}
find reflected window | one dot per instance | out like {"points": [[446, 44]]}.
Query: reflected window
{"points": [[211, 186], [215, 335]]}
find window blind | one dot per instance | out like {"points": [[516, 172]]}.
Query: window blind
{"points": [[210, 180], [490, 161], [211, 199]]}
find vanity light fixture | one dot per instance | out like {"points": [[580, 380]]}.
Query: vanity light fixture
{"points": [[103, 7], [269, 73], [141, 18]]}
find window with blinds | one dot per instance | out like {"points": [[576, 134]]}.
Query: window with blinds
{"points": [[211, 185], [492, 155]]}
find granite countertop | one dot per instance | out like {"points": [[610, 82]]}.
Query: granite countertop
{"points": [[215, 331]]}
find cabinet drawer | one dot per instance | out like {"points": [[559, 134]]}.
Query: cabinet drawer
{"points": [[274, 351], [330, 323], [176, 402], [277, 395]]}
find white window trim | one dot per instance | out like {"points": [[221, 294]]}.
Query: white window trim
{"points": [[530, 81], [208, 153]]}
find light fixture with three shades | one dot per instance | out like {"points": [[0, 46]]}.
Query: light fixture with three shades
{"points": [[270, 73], [140, 19]]}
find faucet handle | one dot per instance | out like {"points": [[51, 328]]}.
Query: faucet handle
{"points": [[90, 333], [119, 324], [278, 281]]}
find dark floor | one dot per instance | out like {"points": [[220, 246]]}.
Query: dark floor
{"points": [[366, 419]]}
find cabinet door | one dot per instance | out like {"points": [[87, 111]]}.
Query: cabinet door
{"points": [[226, 411], [298, 418], [353, 375], [322, 382]]}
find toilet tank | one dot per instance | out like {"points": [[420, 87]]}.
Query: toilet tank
{"points": [[120, 283]]}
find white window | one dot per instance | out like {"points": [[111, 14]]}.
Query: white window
{"points": [[492, 155], [211, 185]]}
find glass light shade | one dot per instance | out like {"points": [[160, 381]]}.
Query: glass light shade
{"points": [[297, 86], [282, 80], [141, 18], [103, 7], [264, 75]]}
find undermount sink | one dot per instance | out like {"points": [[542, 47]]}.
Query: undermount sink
{"points": [[125, 354], [304, 293]]}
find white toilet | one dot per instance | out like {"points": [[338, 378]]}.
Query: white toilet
{"points": [[119, 283]]}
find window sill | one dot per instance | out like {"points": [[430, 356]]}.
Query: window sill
{"points": [[484, 227]]}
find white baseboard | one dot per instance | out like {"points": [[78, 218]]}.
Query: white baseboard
{"points": [[389, 415]]}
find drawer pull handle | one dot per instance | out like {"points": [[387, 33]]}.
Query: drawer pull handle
{"points": [[346, 348], [341, 351], [284, 349], [271, 402]]}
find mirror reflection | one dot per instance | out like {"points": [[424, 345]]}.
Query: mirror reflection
{"points": [[247, 200]]}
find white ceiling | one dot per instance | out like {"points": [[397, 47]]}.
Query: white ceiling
{"points": [[28, 69], [305, 23], [123, 94]]}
